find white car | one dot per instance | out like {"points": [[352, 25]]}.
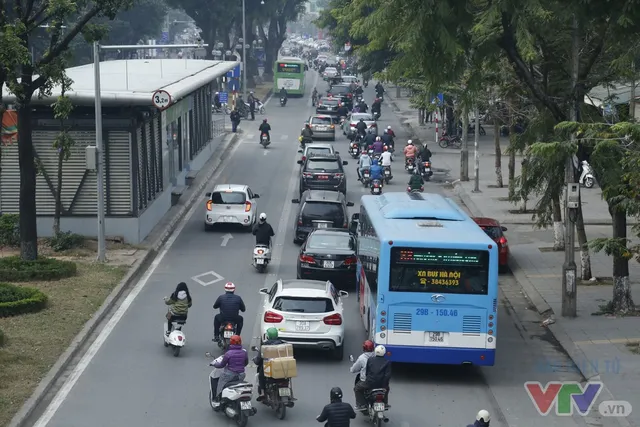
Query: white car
{"points": [[231, 204], [350, 79], [329, 72], [316, 148], [307, 313]]}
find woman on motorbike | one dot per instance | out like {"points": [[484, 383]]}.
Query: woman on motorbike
{"points": [[179, 303], [234, 363]]}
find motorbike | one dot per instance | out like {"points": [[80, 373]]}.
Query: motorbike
{"points": [[376, 406], [236, 397], [376, 115], [227, 330], [259, 107], [471, 129], [354, 150], [366, 175], [426, 171], [283, 101], [387, 174], [264, 140], [586, 177], [278, 395], [261, 257], [365, 83], [409, 164], [376, 187], [176, 338], [415, 190]]}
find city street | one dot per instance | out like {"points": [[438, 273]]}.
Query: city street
{"points": [[129, 379]]}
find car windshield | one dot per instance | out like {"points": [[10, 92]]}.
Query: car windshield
{"points": [[321, 121], [323, 165], [365, 117], [303, 305], [228, 198], [340, 241], [323, 211], [493, 232], [318, 150]]}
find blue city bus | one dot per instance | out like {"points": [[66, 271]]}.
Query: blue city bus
{"points": [[427, 280]]}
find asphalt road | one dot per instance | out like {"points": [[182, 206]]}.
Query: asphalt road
{"points": [[133, 381]]}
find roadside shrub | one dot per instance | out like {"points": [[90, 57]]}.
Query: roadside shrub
{"points": [[9, 230], [15, 300], [65, 240], [15, 269], [2, 338]]}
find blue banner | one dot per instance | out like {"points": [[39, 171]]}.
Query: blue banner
{"points": [[165, 38], [224, 97]]}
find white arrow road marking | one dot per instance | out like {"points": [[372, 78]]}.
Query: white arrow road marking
{"points": [[225, 239], [212, 276]]}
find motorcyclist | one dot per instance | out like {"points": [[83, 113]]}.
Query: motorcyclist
{"points": [[390, 132], [337, 413], [416, 182], [230, 306], [272, 339], [376, 171], [379, 90], [388, 140], [263, 231], [482, 419], [241, 106], [360, 367], [376, 107], [265, 128], [234, 362], [385, 159], [307, 135], [314, 97], [343, 111], [179, 304], [425, 154], [363, 163], [378, 145], [359, 91], [363, 107], [283, 94], [361, 127], [378, 372], [410, 151], [252, 105], [368, 140]]}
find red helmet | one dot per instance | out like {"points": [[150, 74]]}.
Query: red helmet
{"points": [[385, 148], [235, 340], [367, 346]]}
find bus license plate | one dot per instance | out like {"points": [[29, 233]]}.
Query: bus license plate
{"points": [[284, 392], [437, 337], [245, 405], [378, 407]]}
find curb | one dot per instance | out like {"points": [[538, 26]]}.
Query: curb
{"points": [[267, 96], [132, 277], [577, 355]]}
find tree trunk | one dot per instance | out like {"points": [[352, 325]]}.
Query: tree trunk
{"points": [[512, 155], [26, 161], [464, 153], [585, 257], [558, 227], [498, 163], [58, 196], [622, 300]]}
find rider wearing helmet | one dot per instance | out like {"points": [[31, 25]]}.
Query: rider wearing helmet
{"points": [[410, 150], [337, 413], [376, 107], [230, 306], [234, 362], [378, 374], [378, 145], [271, 339], [361, 127], [368, 140], [390, 132], [376, 170], [387, 139], [482, 419], [360, 367], [416, 182], [265, 128], [263, 231]]}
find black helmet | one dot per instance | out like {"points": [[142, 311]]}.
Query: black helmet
{"points": [[335, 394]]}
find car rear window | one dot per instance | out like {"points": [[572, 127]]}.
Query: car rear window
{"points": [[318, 150], [228, 198], [341, 90], [493, 232], [303, 305], [321, 121], [323, 165], [330, 101], [340, 241], [323, 211], [357, 117]]}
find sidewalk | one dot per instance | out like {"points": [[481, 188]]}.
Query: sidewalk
{"points": [[597, 344]]}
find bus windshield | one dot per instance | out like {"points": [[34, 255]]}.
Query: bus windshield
{"points": [[443, 271]]}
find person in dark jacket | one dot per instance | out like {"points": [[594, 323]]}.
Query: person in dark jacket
{"points": [[235, 119], [378, 373], [361, 127], [263, 231], [179, 304], [264, 128], [234, 362], [416, 182], [376, 107], [272, 339], [363, 107], [368, 140], [230, 306], [337, 413], [343, 111], [252, 105], [425, 154], [482, 419]]}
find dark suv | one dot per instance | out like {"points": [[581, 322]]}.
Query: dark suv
{"points": [[323, 172], [320, 209], [343, 92]]}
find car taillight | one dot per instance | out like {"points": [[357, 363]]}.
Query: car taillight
{"points": [[300, 220], [247, 206], [307, 175], [338, 175], [351, 261], [209, 205], [334, 319], [349, 95], [307, 259], [271, 317], [502, 241]]}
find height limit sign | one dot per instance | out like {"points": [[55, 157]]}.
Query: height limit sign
{"points": [[161, 99]]}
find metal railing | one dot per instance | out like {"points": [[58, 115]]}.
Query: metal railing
{"points": [[218, 126]]}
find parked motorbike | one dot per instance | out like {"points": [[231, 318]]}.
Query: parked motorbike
{"points": [[409, 164], [227, 330], [387, 174], [235, 399], [415, 190], [264, 140], [586, 177], [176, 338], [376, 187], [261, 257], [366, 176], [354, 150], [426, 171]]}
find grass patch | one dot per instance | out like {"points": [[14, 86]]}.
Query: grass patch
{"points": [[633, 347], [15, 269], [35, 341], [16, 300]]}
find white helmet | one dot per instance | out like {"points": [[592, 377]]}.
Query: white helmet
{"points": [[378, 138], [381, 351], [229, 287], [388, 127], [409, 142], [483, 415], [263, 217]]}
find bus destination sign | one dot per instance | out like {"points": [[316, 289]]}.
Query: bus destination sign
{"points": [[440, 257], [288, 68], [447, 277]]}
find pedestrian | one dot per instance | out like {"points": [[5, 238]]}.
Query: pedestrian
{"points": [[235, 119], [252, 105]]}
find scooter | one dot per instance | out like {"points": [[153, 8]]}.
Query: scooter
{"points": [[586, 177], [264, 140], [261, 257], [376, 406], [278, 395], [426, 171], [354, 150], [176, 338], [376, 187], [227, 330], [283, 101], [387, 174], [235, 400], [409, 165], [366, 175]]}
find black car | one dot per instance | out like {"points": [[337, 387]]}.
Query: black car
{"points": [[320, 210], [328, 106], [323, 172], [343, 93], [329, 254]]}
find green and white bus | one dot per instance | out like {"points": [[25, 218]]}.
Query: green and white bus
{"points": [[288, 72]]}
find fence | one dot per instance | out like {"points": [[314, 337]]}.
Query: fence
{"points": [[218, 126]]}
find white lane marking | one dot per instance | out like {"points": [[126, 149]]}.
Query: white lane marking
{"points": [[250, 135], [284, 137], [266, 152], [77, 372], [225, 239], [200, 278]]}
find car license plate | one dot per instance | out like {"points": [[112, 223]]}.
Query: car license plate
{"points": [[284, 392], [378, 406], [323, 177], [228, 334], [328, 264], [387, 172], [437, 337], [322, 128], [303, 327], [227, 219], [245, 405], [259, 261], [323, 225]]}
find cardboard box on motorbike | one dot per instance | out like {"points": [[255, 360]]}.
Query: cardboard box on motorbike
{"points": [[275, 351], [278, 361]]}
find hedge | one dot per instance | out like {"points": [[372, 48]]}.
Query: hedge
{"points": [[2, 338], [15, 300], [15, 269], [9, 230]]}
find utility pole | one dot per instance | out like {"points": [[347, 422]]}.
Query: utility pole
{"points": [[476, 167], [464, 153]]}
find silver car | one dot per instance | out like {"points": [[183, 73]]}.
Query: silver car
{"points": [[329, 72], [322, 127], [349, 126]]}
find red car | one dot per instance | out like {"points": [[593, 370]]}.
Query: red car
{"points": [[496, 232]]}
